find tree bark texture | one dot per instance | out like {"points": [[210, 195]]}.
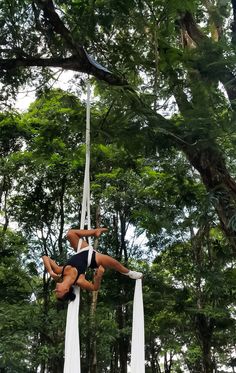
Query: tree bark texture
{"points": [[204, 327], [94, 300], [79, 59], [209, 162], [122, 341]]}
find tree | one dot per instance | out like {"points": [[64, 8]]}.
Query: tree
{"points": [[166, 199], [16, 284], [47, 191], [48, 184], [184, 49], [12, 138]]}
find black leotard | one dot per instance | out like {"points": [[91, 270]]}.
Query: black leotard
{"points": [[79, 261]]}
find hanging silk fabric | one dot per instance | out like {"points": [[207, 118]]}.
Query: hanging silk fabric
{"points": [[72, 344], [137, 344]]}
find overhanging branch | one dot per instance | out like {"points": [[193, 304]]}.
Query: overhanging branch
{"points": [[72, 63], [80, 61], [192, 28]]}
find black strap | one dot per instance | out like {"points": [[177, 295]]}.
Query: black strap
{"points": [[78, 274], [62, 273]]}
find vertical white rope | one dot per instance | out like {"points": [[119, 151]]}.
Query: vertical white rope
{"points": [[72, 345], [86, 190], [137, 344], [88, 147]]}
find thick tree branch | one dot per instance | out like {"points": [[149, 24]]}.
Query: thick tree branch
{"points": [[82, 62], [208, 160], [227, 78], [71, 63], [49, 12], [190, 25]]}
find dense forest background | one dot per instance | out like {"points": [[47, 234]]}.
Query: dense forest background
{"points": [[162, 179]]}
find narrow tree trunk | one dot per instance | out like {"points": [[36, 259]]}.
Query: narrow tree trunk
{"points": [[204, 330], [93, 346], [116, 245], [122, 341], [207, 362], [50, 364], [42, 367], [4, 193], [153, 357], [167, 363], [114, 359]]}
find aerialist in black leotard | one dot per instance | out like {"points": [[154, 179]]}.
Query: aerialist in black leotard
{"points": [[73, 272]]}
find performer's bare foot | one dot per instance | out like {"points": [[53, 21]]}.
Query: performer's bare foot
{"points": [[99, 231]]}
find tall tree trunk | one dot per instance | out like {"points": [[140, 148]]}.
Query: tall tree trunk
{"points": [[204, 328], [122, 340], [114, 358], [204, 325], [116, 243], [153, 355], [4, 196], [210, 164], [55, 364], [167, 362]]}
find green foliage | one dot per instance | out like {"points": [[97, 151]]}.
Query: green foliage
{"points": [[167, 201], [16, 286], [162, 151]]}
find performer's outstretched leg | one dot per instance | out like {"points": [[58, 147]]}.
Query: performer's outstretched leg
{"points": [[108, 262]]}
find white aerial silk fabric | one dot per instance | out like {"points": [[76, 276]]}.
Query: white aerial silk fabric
{"points": [[72, 344], [137, 344], [90, 253]]}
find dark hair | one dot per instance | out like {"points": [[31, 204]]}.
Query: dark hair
{"points": [[70, 296]]}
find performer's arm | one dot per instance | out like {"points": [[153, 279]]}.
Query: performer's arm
{"points": [[87, 285], [52, 267]]}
